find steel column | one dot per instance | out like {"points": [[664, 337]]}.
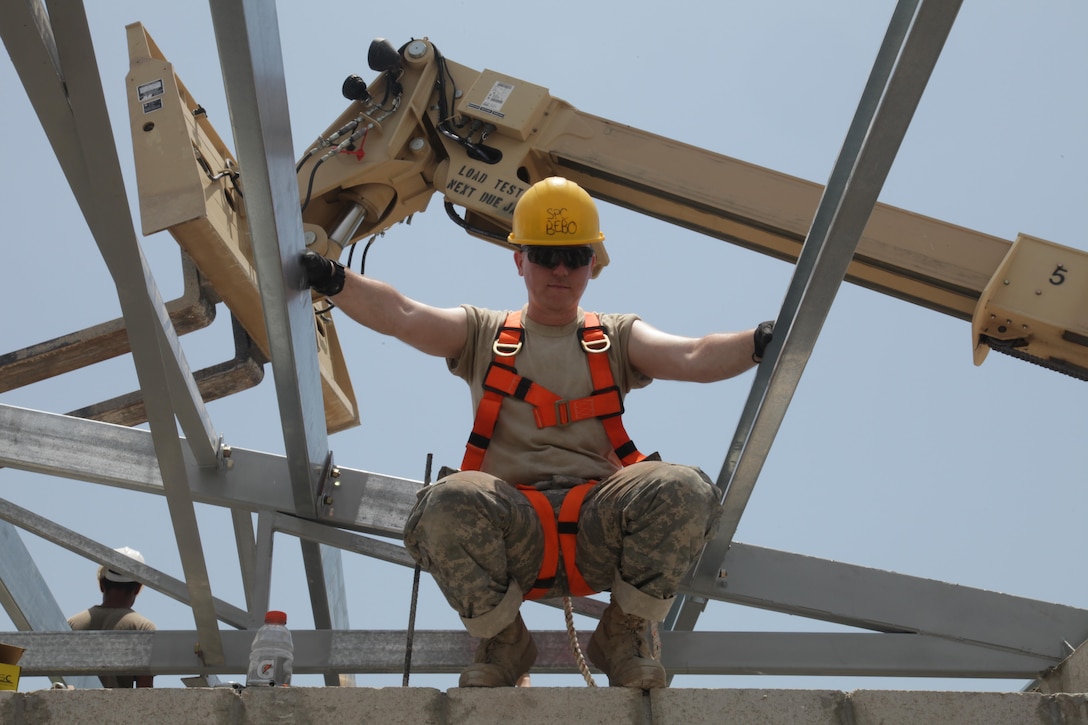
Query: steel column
{"points": [[26, 597], [70, 103], [913, 43], [247, 34]]}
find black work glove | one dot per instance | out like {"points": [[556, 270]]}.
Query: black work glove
{"points": [[762, 337], [324, 275]]}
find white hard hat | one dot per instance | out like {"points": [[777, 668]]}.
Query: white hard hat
{"points": [[116, 576]]}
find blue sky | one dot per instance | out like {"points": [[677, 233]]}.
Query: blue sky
{"points": [[896, 452]]}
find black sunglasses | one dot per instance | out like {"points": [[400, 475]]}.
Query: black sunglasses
{"points": [[552, 257]]}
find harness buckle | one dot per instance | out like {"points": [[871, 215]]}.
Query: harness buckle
{"points": [[562, 412], [493, 384], [572, 411], [506, 349], [619, 400], [599, 345]]}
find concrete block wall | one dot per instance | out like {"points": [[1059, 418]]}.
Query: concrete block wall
{"points": [[546, 706]]}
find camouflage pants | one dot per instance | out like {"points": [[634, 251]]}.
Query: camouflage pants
{"points": [[639, 531]]}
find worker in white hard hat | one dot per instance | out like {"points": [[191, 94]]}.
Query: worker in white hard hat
{"points": [[553, 498], [119, 592]]}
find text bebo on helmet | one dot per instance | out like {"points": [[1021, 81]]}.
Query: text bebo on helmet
{"points": [[556, 212]]}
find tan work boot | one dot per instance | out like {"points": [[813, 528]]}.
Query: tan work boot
{"points": [[503, 659], [619, 648]]}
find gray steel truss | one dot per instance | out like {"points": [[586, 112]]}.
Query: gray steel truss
{"points": [[927, 616], [247, 35], [906, 58], [912, 626], [319, 651]]}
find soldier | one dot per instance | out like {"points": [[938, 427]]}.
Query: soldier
{"points": [[552, 497], [115, 613]]}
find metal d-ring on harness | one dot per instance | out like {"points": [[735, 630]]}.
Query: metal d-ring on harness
{"points": [[605, 403], [503, 381]]}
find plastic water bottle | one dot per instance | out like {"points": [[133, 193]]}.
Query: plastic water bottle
{"points": [[271, 657]]}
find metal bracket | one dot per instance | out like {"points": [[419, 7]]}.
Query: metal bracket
{"points": [[327, 486]]}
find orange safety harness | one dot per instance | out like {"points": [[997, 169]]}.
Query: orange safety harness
{"points": [[605, 403]]}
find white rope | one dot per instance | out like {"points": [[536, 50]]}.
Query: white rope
{"points": [[575, 648]]}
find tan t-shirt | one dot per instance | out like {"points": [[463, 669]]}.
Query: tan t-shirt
{"points": [[552, 357], [116, 619], [110, 618]]}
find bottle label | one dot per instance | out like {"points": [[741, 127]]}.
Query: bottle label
{"points": [[271, 671], [266, 669]]}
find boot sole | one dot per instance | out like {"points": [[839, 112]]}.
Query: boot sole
{"points": [[650, 676], [482, 678]]}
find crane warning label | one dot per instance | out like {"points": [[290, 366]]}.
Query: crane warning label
{"points": [[150, 95], [495, 99], [493, 193]]}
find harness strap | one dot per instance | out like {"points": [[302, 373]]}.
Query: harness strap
{"points": [[604, 403], [595, 342], [549, 563], [567, 526], [548, 408], [560, 534], [502, 381], [507, 345]]}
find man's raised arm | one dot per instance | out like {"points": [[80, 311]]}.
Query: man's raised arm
{"points": [[436, 331], [706, 359]]}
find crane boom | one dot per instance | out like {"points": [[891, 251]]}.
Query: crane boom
{"points": [[427, 125], [498, 134]]}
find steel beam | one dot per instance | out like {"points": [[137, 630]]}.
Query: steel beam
{"points": [[26, 597], [790, 583], [23, 592], [59, 71], [885, 601], [262, 566], [342, 540], [100, 554], [104, 453], [915, 37], [246, 546], [247, 34], [699, 653]]}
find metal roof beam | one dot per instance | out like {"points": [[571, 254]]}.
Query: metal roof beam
{"points": [[26, 597], [71, 107], [92, 550], [911, 47], [248, 38], [247, 34], [437, 651]]}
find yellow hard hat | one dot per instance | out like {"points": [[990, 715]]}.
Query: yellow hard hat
{"points": [[556, 212]]}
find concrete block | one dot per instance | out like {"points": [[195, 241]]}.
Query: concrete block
{"points": [[1070, 676], [748, 707], [1069, 708], [964, 708], [8, 702], [537, 705], [150, 705], [325, 705], [546, 706]]}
